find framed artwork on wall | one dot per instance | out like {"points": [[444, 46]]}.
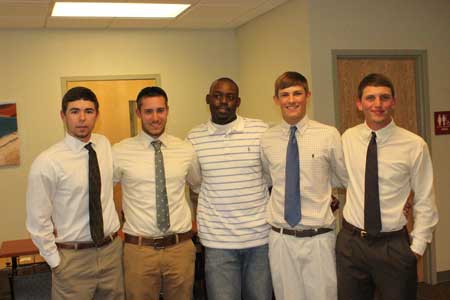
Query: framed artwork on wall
{"points": [[9, 138]]}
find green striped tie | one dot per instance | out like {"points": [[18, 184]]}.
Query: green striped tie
{"points": [[162, 206]]}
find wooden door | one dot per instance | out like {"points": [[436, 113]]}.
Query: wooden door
{"points": [[116, 120], [403, 76], [402, 72], [114, 96]]}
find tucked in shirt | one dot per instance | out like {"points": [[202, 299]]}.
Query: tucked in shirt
{"points": [[321, 168], [134, 168], [58, 195], [404, 165], [233, 194]]}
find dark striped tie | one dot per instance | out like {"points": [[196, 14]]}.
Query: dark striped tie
{"points": [[95, 204]]}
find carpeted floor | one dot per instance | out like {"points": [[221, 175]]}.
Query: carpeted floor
{"points": [[424, 292], [434, 292]]}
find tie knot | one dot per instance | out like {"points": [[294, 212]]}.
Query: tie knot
{"points": [[157, 145], [373, 138], [88, 146], [292, 131]]}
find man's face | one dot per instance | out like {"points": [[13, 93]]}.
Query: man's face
{"points": [[292, 102], [80, 118], [377, 105], [223, 100], [153, 114]]}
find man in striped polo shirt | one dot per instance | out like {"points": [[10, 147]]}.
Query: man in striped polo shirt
{"points": [[232, 201]]}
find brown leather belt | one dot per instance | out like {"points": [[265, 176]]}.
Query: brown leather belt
{"points": [[364, 234], [86, 245], [302, 233], [159, 242]]}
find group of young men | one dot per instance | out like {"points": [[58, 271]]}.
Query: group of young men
{"points": [[255, 241]]}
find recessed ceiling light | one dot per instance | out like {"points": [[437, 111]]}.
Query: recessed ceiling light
{"points": [[118, 10]]}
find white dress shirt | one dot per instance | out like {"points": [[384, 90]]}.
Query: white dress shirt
{"points": [[58, 195], [404, 165], [233, 196], [134, 168], [321, 168]]}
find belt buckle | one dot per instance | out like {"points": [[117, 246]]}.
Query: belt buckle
{"points": [[363, 234], [157, 243]]}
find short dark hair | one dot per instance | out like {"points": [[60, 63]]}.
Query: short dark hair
{"points": [[78, 93], [150, 91], [290, 78], [224, 79], [375, 79]]}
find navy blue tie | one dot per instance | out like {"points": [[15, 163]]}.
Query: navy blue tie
{"points": [[292, 207], [372, 214]]}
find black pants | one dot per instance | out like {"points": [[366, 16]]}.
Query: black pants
{"points": [[386, 264]]}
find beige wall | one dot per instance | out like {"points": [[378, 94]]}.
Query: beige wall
{"points": [[401, 24], [268, 46], [32, 63], [298, 35]]}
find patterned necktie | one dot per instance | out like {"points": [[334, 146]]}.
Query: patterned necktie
{"points": [[372, 215], [162, 206], [292, 206], [95, 204]]}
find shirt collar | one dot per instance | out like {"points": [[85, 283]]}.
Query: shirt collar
{"points": [[235, 126], [146, 140], [382, 134], [301, 126], [77, 145]]}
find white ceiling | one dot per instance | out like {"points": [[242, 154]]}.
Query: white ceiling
{"points": [[202, 14]]}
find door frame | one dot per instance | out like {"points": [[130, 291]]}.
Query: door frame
{"points": [[65, 79], [422, 109], [132, 103], [420, 57]]}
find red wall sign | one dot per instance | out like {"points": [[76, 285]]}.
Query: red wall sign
{"points": [[442, 122]]}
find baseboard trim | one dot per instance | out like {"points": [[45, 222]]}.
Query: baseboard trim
{"points": [[443, 276]]}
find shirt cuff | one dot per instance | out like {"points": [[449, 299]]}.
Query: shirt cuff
{"points": [[418, 247], [53, 260]]}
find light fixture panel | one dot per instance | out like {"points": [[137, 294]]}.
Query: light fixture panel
{"points": [[117, 10]]}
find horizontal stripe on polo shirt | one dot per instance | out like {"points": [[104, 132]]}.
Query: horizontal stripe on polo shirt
{"points": [[233, 197]]}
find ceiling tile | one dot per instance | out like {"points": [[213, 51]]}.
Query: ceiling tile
{"points": [[203, 14], [139, 23], [22, 22], [212, 13], [18, 9], [165, 1], [232, 2], [94, 23]]}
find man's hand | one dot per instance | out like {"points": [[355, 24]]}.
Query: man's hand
{"points": [[418, 256], [334, 203], [407, 209], [194, 200]]}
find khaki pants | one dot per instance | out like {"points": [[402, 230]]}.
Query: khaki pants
{"points": [[95, 273], [148, 269]]}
